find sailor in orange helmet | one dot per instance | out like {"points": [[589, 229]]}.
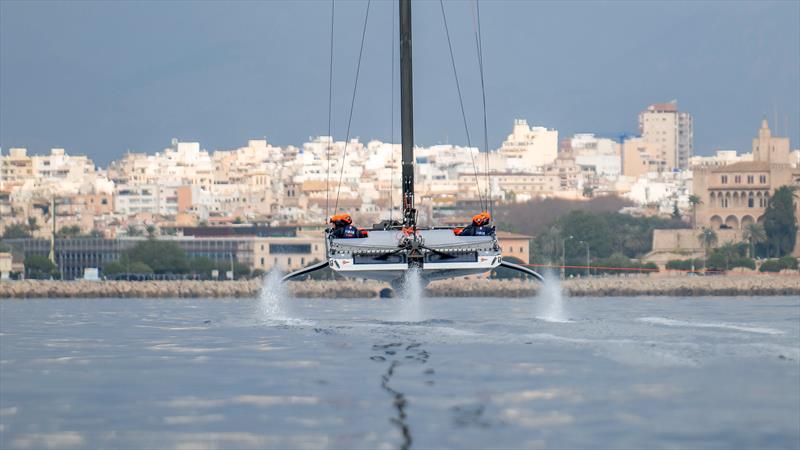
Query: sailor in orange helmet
{"points": [[343, 227], [479, 226]]}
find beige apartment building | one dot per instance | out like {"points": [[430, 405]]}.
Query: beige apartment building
{"points": [[735, 195], [670, 131], [640, 157], [526, 148]]}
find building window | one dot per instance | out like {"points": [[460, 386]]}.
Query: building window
{"points": [[302, 261], [724, 202], [762, 179], [724, 179], [750, 203], [289, 248], [737, 179], [262, 261], [289, 261], [750, 179], [520, 249]]}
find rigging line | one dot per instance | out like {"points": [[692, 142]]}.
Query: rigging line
{"points": [[479, 44], [391, 140], [461, 102], [330, 136], [352, 104]]}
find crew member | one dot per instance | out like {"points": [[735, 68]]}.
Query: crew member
{"points": [[343, 228], [479, 226]]}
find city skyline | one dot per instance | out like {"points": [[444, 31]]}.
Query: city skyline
{"points": [[223, 75]]}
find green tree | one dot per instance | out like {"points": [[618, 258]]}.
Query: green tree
{"points": [[151, 230], [780, 224], [113, 268], [239, 270], [69, 231], [16, 231], [162, 256], [133, 231], [754, 234], [39, 267], [202, 266], [708, 239], [788, 262], [547, 246], [726, 253], [694, 200], [139, 267], [588, 191]]}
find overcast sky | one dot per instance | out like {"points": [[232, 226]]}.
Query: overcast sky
{"points": [[100, 78]]}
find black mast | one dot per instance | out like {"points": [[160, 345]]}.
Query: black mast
{"points": [[407, 114]]}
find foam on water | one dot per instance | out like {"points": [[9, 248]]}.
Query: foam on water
{"points": [[550, 301], [726, 326], [273, 301], [412, 292]]}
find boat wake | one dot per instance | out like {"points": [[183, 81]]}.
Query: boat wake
{"points": [[411, 295], [724, 326]]}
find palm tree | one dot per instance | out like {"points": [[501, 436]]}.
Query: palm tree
{"points": [[708, 238], [754, 234], [32, 225], [729, 250], [694, 200]]}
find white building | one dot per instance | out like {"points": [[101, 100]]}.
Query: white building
{"points": [[527, 148]]}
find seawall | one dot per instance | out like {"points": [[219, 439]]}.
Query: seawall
{"points": [[682, 286]]}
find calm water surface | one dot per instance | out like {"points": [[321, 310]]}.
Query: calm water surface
{"points": [[467, 373]]}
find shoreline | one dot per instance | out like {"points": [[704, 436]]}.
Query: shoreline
{"points": [[681, 286]]}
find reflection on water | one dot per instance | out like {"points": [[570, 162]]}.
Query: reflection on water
{"points": [[275, 372]]}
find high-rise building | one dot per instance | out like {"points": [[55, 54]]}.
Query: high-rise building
{"points": [[670, 131]]}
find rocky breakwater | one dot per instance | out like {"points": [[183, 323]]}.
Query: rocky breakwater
{"points": [[664, 285], [182, 289], [686, 286], [126, 289]]}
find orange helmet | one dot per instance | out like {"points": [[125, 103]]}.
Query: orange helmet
{"points": [[481, 219], [341, 219]]}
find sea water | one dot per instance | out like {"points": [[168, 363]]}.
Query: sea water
{"points": [[345, 373]]}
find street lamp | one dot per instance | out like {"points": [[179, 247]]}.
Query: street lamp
{"points": [[564, 256], [588, 260]]}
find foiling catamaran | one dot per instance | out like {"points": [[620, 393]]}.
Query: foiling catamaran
{"points": [[392, 248]]}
